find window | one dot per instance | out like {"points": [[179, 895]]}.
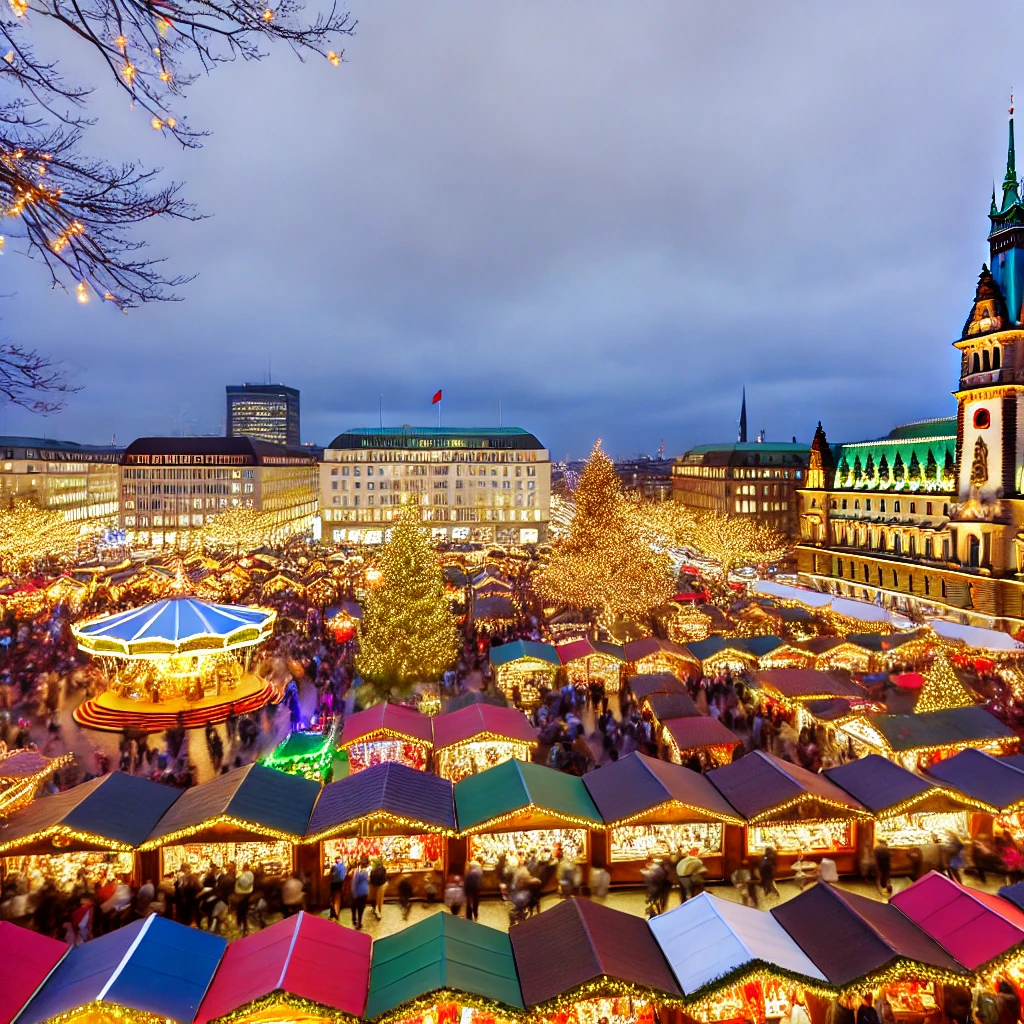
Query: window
{"points": [[895, 506], [982, 418], [913, 507], [881, 505]]}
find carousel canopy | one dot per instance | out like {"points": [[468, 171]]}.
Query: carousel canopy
{"points": [[806, 684], [655, 682], [972, 926], [671, 705], [520, 786], [173, 626], [154, 965], [289, 959], [389, 789], [849, 936], [26, 958], [479, 720], [585, 647], [925, 730], [387, 719], [442, 952], [879, 783], [112, 812], [523, 650], [697, 732], [637, 783], [258, 799], [579, 942], [707, 939], [995, 781], [760, 782]]}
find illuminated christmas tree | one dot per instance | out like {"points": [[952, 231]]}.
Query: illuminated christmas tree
{"points": [[30, 534], [408, 633], [942, 687]]}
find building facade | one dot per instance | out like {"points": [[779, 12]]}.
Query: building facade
{"points": [[484, 484], [749, 478], [931, 518], [82, 481], [171, 487], [651, 477], [267, 412]]}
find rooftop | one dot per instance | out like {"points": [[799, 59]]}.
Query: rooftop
{"points": [[436, 437]]}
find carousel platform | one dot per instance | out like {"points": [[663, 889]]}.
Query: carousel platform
{"points": [[111, 713]]}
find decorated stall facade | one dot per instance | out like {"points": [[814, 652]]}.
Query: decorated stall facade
{"points": [[721, 654], [478, 737], [522, 667], [387, 732], [653, 654], [699, 736], [588, 662], [995, 784]]}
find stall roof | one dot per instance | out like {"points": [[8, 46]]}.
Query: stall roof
{"points": [[762, 645], [153, 965], [976, 637], [389, 718], [26, 958], [576, 649], [655, 682], [879, 783], [850, 936], [638, 783], [972, 926], [671, 705], [759, 782], [784, 592], [289, 958], [442, 952], [927, 729], [263, 798], [707, 938], [995, 781], [23, 764], [636, 650], [1014, 893], [579, 941], [517, 785], [806, 683], [115, 809], [704, 649], [700, 731], [480, 719], [520, 650], [389, 788]]}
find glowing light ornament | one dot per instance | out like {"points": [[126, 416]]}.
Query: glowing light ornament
{"points": [[128, 72], [82, 292], [157, 124], [268, 15], [20, 7], [335, 58], [121, 43]]}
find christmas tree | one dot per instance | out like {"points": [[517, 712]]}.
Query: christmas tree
{"points": [[408, 633], [942, 688]]}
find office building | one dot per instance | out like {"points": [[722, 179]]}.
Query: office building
{"points": [[267, 412]]}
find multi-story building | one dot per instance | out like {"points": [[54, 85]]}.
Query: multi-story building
{"points": [[80, 480], [487, 484], [171, 487], [931, 518], [652, 477], [748, 478], [267, 412]]}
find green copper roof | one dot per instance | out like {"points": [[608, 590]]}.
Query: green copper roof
{"points": [[943, 426], [915, 457], [515, 785], [442, 952], [750, 446]]}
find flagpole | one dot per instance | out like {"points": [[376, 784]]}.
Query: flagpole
{"points": [[439, 414]]}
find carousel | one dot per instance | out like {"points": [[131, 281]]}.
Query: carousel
{"points": [[177, 656]]}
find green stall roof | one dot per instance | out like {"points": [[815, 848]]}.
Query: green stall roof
{"points": [[442, 952], [515, 785]]}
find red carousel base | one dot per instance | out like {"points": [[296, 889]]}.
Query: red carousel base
{"points": [[111, 713]]}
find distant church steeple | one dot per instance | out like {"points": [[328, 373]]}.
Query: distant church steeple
{"points": [[743, 419], [1006, 239]]}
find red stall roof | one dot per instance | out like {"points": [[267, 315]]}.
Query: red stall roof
{"points": [[583, 648], [26, 958], [972, 926], [476, 719], [394, 718], [304, 956]]}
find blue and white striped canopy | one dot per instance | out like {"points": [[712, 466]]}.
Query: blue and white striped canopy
{"points": [[167, 626]]}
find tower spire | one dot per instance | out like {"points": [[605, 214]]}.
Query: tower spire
{"points": [[743, 418], [1010, 193]]}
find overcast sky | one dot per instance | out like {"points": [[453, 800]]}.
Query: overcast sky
{"points": [[609, 216]]}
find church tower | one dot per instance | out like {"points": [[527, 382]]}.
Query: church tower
{"points": [[1006, 239]]}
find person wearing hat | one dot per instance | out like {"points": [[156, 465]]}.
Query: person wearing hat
{"points": [[243, 893]]}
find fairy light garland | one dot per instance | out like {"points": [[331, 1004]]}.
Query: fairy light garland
{"points": [[495, 823], [250, 827], [670, 806], [606, 987], [765, 816], [378, 820], [438, 997], [100, 1012], [62, 837], [295, 1006]]}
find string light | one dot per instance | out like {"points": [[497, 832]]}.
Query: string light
{"points": [[379, 821], [334, 58], [527, 814], [264, 831], [942, 688], [268, 15], [61, 837], [61, 241], [129, 72], [121, 43], [20, 7], [283, 1006]]}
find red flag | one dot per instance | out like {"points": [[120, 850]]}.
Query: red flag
{"points": [[436, 399]]}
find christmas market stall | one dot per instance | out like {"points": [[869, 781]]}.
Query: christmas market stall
{"points": [[791, 689], [699, 738], [520, 809], [583, 963], [651, 654], [390, 813], [153, 969], [444, 970], [522, 667], [90, 831], [653, 808], [310, 754], [22, 772], [734, 963], [994, 783], [862, 945], [478, 737], [721, 654], [788, 655], [588, 662], [835, 653], [910, 811], [387, 732], [302, 970], [643, 685], [252, 815], [26, 959], [795, 812]]}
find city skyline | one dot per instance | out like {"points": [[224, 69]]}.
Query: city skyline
{"points": [[861, 234]]}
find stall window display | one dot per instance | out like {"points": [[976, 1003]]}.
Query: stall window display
{"points": [[595, 669], [754, 1001], [273, 857], [904, 830], [452, 1013], [399, 853], [65, 868], [489, 846], [366, 755], [1013, 824], [801, 837], [528, 677], [610, 1010], [458, 762], [640, 842], [911, 998]]}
